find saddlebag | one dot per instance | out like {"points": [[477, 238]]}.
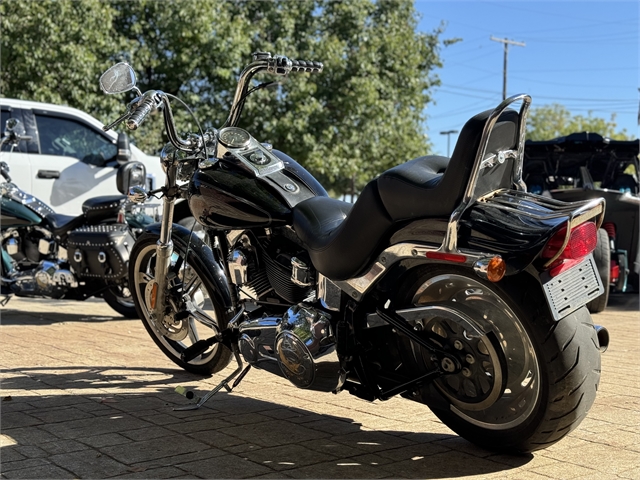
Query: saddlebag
{"points": [[100, 251]]}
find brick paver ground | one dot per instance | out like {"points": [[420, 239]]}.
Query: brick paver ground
{"points": [[87, 394]]}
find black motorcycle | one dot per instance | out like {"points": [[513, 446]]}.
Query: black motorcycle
{"points": [[445, 283], [45, 254]]}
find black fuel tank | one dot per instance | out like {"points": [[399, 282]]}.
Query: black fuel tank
{"points": [[225, 196]]}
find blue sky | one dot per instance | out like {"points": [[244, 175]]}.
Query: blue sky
{"points": [[581, 54]]}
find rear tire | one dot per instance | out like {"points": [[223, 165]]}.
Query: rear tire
{"points": [[120, 299], [174, 336], [552, 369], [602, 257]]}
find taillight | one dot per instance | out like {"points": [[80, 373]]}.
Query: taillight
{"points": [[581, 243]]}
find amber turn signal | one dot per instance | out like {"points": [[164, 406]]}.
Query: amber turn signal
{"points": [[496, 269], [154, 296]]}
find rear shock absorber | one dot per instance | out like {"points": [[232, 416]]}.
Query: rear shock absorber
{"points": [[610, 227]]}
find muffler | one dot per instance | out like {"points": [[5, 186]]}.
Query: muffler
{"points": [[603, 337]]}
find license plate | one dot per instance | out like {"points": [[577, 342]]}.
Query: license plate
{"points": [[572, 289]]}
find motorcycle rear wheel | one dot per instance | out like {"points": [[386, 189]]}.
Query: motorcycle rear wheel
{"points": [[120, 299], [549, 370], [174, 336]]}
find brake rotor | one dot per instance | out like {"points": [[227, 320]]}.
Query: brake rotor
{"points": [[168, 327]]}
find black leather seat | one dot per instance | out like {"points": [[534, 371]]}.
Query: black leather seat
{"points": [[101, 208], [341, 237], [342, 240], [62, 224]]}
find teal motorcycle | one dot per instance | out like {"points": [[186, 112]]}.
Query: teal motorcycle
{"points": [[49, 255]]}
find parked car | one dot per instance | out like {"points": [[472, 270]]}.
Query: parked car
{"points": [[587, 165], [70, 159]]}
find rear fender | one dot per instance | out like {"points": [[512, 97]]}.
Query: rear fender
{"points": [[518, 225], [209, 260]]}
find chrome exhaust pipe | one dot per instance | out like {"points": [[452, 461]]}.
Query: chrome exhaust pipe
{"points": [[603, 337]]}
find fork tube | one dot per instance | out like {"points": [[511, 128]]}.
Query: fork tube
{"points": [[164, 247]]}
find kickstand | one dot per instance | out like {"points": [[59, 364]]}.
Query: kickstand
{"points": [[5, 300], [223, 384]]}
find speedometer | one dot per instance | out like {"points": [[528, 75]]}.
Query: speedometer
{"points": [[234, 137]]}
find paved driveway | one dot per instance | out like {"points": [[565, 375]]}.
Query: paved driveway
{"points": [[86, 394]]}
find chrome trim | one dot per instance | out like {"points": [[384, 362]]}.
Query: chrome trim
{"points": [[329, 293], [603, 338], [450, 243], [238, 267], [164, 246], [481, 267], [300, 273], [357, 287], [500, 158], [233, 236], [12, 246]]}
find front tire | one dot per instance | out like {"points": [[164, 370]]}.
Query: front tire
{"points": [[549, 370], [174, 334]]}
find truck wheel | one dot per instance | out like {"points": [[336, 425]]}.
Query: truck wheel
{"points": [[602, 256]]}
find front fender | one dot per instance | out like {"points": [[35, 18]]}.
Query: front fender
{"points": [[207, 258]]}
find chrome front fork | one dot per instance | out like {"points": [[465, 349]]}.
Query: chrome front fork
{"points": [[164, 247]]}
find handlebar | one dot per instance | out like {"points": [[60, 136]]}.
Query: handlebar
{"points": [[306, 66], [147, 105], [141, 107], [278, 64]]}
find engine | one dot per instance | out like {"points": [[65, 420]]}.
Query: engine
{"points": [[272, 269], [29, 246], [47, 279], [300, 346]]}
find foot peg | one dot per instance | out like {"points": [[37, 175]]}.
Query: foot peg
{"points": [[224, 384], [198, 348]]}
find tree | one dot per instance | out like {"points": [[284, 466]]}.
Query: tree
{"points": [[552, 121], [362, 115], [55, 51]]}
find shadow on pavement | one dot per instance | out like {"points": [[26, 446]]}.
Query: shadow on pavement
{"points": [[626, 302], [99, 426], [20, 317]]}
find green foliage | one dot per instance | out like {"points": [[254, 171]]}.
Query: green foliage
{"points": [[552, 121], [55, 51], [362, 115]]}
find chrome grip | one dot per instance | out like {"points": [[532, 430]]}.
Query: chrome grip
{"points": [[306, 66], [141, 112]]}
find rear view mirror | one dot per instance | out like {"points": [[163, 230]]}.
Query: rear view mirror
{"points": [[14, 126], [118, 79], [131, 174], [124, 152]]}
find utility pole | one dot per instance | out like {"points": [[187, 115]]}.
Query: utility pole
{"points": [[448, 134], [506, 42]]}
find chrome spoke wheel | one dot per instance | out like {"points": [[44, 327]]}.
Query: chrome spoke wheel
{"points": [[176, 331], [499, 383]]}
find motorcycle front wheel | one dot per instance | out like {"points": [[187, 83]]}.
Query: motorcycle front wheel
{"points": [[175, 332], [525, 384]]}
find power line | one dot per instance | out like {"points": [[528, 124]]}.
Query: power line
{"points": [[506, 43]]}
